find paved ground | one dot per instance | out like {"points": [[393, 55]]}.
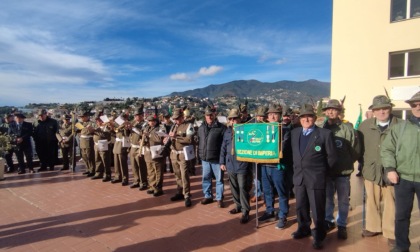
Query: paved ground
{"points": [[64, 211]]}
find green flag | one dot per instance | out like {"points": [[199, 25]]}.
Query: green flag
{"points": [[359, 119]]}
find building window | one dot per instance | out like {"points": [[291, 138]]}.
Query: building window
{"points": [[404, 9], [404, 64]]}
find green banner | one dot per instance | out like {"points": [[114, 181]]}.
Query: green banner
{"points": [[258, 142]]}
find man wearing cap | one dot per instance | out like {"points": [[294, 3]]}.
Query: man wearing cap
{"points": [[372, 132], [154, 163], [338, 179], [138, 165], [65, 140], [101, 138], [210, 137], [166, 126], [243, 109], [260, 117], [121, 152], [22, 132], [240, 173], [274, 176], [314, 155], [46, 143], [86, 143], [400, 152], [9, 120], [180, 136]]}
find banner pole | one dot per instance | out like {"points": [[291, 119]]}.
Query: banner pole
{"points": [[256, 194]]}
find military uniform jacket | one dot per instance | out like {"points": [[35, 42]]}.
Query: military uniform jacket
{"points": [[135, 138], [66, 133], [181, 138], [101, 133], [152, 139], [311, 168], [118, 149], [371, 139], [86, 137]]}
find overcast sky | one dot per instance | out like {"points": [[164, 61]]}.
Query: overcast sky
{"points": [[72, 51]]}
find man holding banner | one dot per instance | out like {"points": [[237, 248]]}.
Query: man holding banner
{"points": [[273, 175], [314, 154]]}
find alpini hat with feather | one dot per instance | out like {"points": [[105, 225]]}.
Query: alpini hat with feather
{"points": [[307, 109], [415, 98], [274, 108], [333, 103], [177, 113], [381, 101], [139, 110]]}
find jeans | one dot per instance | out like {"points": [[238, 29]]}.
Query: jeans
{"points": [[341, 185], [404, 196], [210, 170], [272, 177]]}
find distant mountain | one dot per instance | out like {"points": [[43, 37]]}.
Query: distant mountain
{"points": [[286, 91]]}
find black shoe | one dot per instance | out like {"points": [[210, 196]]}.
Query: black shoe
{"points": [[124, 183], [85, 173], [21, 171], [299, 234], [90, 174], [206, 201], [96, 177], [342, 233], [329, 226], [10, 170], [317, 244], [43, 169], [267, 217], [244, 219], [114, 181], [158, 193], [135, 185], [143, 188], [150, 191], [187, 202], [106, 179], [235, 211], [177, 197]]}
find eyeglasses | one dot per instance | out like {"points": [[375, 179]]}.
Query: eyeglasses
{"points": [[413, 105]]}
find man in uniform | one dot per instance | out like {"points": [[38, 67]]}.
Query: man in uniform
{"points": [[210, 138], [180, 136], [46, 143], [338, 180], [138, 165], [22, 131], [86, 144], [66, 142], [372, 132], [154, 164], [101, 137], [314, 155], [121, 152], [167, 125]]}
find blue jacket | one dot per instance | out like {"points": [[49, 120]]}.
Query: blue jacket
{"points": [[226, 157]]}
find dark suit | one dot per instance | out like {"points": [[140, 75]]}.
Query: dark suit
{"points": [[24, 131], [310, 171]]}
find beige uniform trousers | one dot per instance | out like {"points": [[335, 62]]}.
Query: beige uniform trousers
{"points": [[182, 176], [154, 172], [380, 218]]}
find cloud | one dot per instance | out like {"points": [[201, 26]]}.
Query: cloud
{"points": [[212, 70], [280, 61], [180, 76]]}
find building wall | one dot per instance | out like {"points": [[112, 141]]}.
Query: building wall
{"points": [[362, 38]]}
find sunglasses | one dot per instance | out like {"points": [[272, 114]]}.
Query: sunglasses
{"points": [[413, 105]]}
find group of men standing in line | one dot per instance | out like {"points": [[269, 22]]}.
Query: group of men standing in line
{"points": [[318, 159]]}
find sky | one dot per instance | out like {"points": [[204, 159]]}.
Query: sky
{"points": [[84, 50]]}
